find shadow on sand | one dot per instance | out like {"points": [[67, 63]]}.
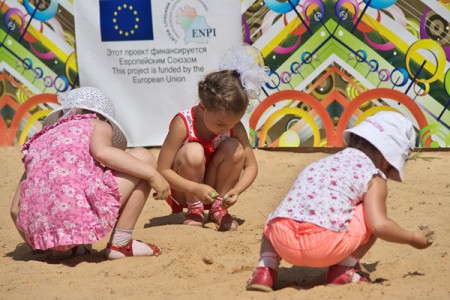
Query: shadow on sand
{"points": [[23, 252], [178, 219]]}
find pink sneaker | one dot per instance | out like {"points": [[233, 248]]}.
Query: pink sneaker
{"points": [[342, 275], [263, 279]]}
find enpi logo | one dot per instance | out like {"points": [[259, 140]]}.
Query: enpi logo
{"points": [[187, 20], [126, 20]]}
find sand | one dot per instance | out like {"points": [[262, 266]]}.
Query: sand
{"points": [[202, 263]]}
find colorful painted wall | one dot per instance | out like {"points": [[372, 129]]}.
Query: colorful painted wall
{"points": [[332, 63], [38, 60]]}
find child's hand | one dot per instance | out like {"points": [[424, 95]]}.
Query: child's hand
{"points": [[422, 239], [229, 199], [161, 187], [205, 193]]}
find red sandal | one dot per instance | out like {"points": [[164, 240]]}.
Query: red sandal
{"points": [[220, 216], [342, 275], [263, 279], [194, 215], [114, 252]]}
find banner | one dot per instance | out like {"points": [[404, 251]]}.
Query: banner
{"points": [[148, 56]]}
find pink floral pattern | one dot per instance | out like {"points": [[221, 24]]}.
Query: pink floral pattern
{"points": [[327, 190], [67, 198]]}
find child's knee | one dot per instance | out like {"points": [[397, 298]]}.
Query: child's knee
{"points": [[192, 155], [232, 149], [14, 212]]}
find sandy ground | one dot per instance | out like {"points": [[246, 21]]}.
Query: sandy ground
{"points": [[202, 263]]}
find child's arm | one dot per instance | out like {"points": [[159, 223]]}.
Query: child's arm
{"points": [[119, 160], [381, 226], [169, 150]]}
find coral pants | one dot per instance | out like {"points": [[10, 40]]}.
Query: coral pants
{"points": [[309, 245]]}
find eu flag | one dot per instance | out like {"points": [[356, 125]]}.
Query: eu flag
{"points": [[126, 20]]}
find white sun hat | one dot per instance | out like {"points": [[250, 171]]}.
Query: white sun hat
{"points": [[392, 134], [91, 99]]}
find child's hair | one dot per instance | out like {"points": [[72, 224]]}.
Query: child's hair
{"points": [[223, 91], [241, 74], [360, 143]]}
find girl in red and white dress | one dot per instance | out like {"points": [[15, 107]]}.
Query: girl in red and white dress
{"points": [[206, 156]]}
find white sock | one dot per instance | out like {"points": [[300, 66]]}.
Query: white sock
{"points": [[349, 261], [121, 237], [270, 260]]}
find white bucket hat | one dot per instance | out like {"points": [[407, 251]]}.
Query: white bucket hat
{"points": [[392, 134], [94, 100]]}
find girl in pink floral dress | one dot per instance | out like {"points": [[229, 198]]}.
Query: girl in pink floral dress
{"points": [[336, 208], [80, 183]]}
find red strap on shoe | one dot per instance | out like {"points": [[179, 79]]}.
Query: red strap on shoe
{"points": [[195, 211], [127, 250], [343, 275], [223, 220]]}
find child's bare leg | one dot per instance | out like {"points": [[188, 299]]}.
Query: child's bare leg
{"points": [[190, 164], [361, 251], [265, 275], [268, 256], [132, 207], [226, 166], [223, 172], [134, 192]]}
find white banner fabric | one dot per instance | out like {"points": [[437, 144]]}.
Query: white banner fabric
{"points": [[148, 56]]}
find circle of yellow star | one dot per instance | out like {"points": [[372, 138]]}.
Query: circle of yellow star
{"points": [[116, 20]]}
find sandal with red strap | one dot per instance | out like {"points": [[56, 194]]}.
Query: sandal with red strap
{"points": [[194, 215], [220, 216], [338, 274], [133, 248]]}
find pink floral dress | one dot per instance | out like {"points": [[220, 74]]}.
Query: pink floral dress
{"points": [[67, 198]]}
